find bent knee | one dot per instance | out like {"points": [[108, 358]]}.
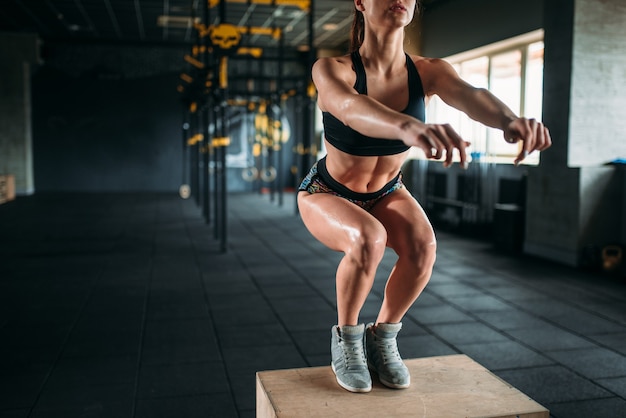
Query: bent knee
{"points": [[421, 253], [367, 246]]}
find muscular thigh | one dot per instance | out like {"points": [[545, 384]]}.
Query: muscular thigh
{"points": [[404, 219], [336, 222]]}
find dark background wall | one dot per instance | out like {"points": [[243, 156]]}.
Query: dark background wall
{"points": [[107, 118], [110, 118], [454, 26]]}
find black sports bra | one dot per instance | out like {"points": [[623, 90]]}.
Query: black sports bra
{"points": [[352, 142]]}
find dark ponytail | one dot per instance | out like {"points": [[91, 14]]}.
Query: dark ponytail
{"points": [[358, 31]]}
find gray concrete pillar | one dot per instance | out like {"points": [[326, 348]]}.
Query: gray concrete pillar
{"points": [[574, 199], [18, 53]]}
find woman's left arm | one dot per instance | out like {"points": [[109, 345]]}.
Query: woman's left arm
{"points": [[440, 78]]}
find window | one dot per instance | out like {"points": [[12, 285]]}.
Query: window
{"points": [[513, 71]]}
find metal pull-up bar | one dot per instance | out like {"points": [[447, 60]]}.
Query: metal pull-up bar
{"points": [[302, 4]]}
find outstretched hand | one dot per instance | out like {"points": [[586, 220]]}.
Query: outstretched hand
{"points": [[532, 133], [437, 139]]}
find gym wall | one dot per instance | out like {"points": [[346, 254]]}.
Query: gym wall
{"points": [[454, 26], [107, 118]]}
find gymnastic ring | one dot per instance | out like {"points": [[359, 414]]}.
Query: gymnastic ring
{"points": [[250, 173], [268, 174], [184, 191]]}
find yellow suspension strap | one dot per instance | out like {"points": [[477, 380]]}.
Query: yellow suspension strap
{"points": [[262, 139], [311, 91], [220, 141], [260, 125], [196, 139], [193, 61], [223, 73]]}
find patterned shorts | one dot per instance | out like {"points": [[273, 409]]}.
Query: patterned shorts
{"points": [[319, 181]]}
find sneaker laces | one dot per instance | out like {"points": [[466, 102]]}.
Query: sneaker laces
{"points": [[388, 349], [354, 355]]}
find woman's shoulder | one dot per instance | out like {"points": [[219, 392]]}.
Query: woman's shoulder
{"points": [[333, 62], [432, 70], [336, 67], [429, 64]]}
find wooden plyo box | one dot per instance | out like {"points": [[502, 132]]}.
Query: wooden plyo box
{"points": [[441, 387], [7, 188]]}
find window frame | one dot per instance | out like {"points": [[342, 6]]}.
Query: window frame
{"points": [[520, 43]]}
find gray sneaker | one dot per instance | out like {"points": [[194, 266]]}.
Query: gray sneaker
{"points": [[383, 356], [348, 358]]}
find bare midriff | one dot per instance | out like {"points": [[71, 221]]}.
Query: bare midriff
{"points": [[362, 174]]}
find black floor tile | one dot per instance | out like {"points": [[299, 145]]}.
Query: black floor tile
{"points": [[616, 342], [95, 409], [276, 273], [453, 289], [251, 335], [550, 338], [411, 328], [164, 305], [20, 389], [616, 385], [197, 406], [195, 330], [31, 333], [592, 363], [419, 346], [467, 333], [552, 384], [371, 307], [587, 323], [318, 360], [222, 290], [313, 343], [298, 304], [174, 352], [182, 379], [91, 386], [289, 290], [261, 358], [479, 303], [244, 389], [512, 319], [104, 335], [504, 355], [514, 293], [310, 320], [85, 394], [14, 413], [230, 301], [596, 408], [244, 316]]}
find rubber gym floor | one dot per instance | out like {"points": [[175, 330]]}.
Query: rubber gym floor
{"points": [[122, 305]]}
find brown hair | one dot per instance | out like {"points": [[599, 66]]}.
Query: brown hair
{"points": [[357, 33]]}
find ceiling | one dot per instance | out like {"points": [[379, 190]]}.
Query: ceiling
{"points": [[169, 22]]}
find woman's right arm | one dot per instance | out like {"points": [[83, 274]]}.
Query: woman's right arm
{"points": [[372, 118]]}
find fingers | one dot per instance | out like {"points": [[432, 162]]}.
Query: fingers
{"points": [[547, 140], [458, 143], [535, 136], [438, 139], [429, 145], [520, 157]]}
